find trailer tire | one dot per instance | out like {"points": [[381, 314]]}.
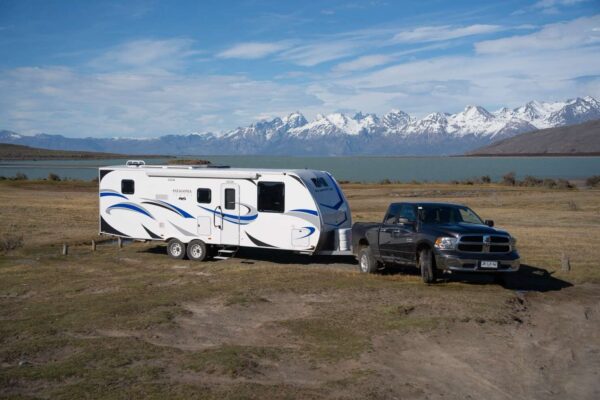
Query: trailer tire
{"points": [[427, 265], [197, 250], [176, 249], [366, 262]]}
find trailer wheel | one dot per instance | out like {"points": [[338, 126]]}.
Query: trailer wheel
{"points": [[366, 262], [427, 266], [176, 249], [197, 250]]}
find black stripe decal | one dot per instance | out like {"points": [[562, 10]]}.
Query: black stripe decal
{"points": [[250, 180], [298, 179], [152, 234], [104, 172], [258, 242], [106, 228]]}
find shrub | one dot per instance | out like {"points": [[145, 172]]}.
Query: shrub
{"points": [[549, 183], [95, 180], [385, 182], [10, 241], [509, 179], [53, 177], [564, 184], [20, 176], [572, 205], [531, 181], [2, 178], [486, 179], [593, 181]]}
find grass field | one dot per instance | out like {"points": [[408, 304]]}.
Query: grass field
{"points": [[132, 323]]}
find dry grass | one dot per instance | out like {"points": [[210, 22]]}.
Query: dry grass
{"points": [[133, 323]]}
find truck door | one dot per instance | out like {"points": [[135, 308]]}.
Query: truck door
{"points": [[230, 215], [388, 248], [405, 234]]}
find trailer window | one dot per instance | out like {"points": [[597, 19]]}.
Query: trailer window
{"points": [[271, 197], [203, 196], [230, 199], [127, 186], [319, 182]]}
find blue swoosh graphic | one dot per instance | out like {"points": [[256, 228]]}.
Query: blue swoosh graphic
{"points": [[108, 194], [236, 219], [313, 212], [311, 231]]}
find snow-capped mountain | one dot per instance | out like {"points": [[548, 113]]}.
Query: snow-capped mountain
{"points": [[396, 133]]}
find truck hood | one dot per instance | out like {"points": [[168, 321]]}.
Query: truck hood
{"points": [[461, 229]]}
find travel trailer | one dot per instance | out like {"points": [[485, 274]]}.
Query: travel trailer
{"points": [[206, 211]]}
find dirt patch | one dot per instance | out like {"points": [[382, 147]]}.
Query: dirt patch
{"points": [[550, 350], [233, 320]]}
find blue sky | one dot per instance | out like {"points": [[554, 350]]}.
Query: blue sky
{"points": [[146, 68]]}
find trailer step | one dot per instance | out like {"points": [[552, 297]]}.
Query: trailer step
{"points": [[226, 253]]}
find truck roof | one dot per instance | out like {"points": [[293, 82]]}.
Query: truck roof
{"points": [[428, 203]]}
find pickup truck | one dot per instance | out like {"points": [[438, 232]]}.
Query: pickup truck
{"points": [[435, 237]]}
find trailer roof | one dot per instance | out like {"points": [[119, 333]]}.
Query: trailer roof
{"points": [[206, 171]]}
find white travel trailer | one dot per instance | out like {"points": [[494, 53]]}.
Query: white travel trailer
{"points": [[203, 211]]}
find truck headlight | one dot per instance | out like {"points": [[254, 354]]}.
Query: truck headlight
{"points": [[513, 243], [446, 243]]}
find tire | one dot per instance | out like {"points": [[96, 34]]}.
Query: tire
{"points": [[176, 249], [367, 264], [427, 266], [197, 250]]}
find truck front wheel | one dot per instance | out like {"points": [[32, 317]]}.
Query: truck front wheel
{"points": [[366, 261], [427, 266]]}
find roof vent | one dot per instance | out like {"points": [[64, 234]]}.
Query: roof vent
{"points": [[135, 163]]}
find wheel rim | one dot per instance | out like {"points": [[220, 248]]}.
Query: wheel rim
{"points": [[176, 249], [364, 263], [196, 251]]}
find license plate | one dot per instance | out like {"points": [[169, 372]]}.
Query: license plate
{"points": [[489, 264]]}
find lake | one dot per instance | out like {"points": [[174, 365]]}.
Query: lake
{"points": [[363, 169]]}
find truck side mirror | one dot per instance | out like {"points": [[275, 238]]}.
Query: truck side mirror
{"points": [[405, 221], [489, 222]]}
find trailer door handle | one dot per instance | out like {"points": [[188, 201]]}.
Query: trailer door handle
{"points": [[218, 210]]}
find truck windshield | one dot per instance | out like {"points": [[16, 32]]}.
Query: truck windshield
{"points": [[445, 214]]}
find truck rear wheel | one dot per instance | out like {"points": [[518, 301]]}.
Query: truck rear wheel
{"points": [[197, 251], [427, 266], [366, 262], [176, 249]]}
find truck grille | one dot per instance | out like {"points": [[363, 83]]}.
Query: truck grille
{"points": [[484, 244]]}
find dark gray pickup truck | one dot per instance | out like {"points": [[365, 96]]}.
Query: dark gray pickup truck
{"points": [[436, 237]]}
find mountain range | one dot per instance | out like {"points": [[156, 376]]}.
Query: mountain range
{"points": [[395, 133]]}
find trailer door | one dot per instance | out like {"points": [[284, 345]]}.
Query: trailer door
{"points": [[230, 204]]}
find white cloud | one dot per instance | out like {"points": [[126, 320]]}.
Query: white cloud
{"points": [[252, 50], [440, 33], [576, 33], [543, 4], [165, 54], [142, 104], [316, 53], [364, 62]]}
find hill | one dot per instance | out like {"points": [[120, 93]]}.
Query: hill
{"points": [[581, 139], [17, 152]]}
